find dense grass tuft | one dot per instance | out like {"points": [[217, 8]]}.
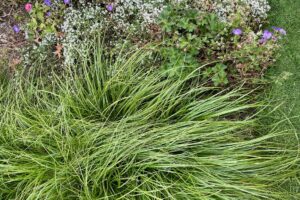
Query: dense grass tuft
{"points": [[112, 131]]}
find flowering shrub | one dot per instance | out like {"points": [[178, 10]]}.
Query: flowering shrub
{"points": [[218, 50], [224, 36]]}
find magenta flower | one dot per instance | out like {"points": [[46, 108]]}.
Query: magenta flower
{"points": [[28, 7], [110, 7], [16, 28], [67, 1], [47, 2], [237, 31]]}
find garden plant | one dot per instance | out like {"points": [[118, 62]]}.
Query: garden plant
{"points": [[143, 99]]}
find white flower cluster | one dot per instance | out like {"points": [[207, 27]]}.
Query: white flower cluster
{"points": [[140, 11], [77, 26], [225, 9], [259, 8], [127, 15]]}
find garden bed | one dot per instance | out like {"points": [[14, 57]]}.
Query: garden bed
{"points": [[142, 100]]}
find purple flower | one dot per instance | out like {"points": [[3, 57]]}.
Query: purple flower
{"points": [[267, 35], [48, 14], [280, 30], [47, 2], [66, 1], [109, 7], [237, 31], [16, 28], [276, 28]]}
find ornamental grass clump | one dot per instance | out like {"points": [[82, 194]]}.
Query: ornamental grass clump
{"points": [[108, 130]]}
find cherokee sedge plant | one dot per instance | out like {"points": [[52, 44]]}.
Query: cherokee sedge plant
{"points": [[108, 130]]}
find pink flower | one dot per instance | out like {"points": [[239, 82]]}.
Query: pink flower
{"points": [[28, 7]]}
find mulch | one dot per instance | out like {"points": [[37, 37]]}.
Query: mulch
{"points": [[10, 42]]}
